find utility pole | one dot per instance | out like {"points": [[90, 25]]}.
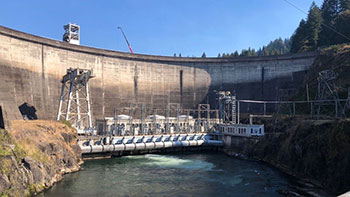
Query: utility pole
{"points": [[127, 42]]}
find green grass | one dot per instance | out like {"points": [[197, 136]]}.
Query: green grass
{"points": [[4, 195], [35, 188], [6, 141], [67, 123]]}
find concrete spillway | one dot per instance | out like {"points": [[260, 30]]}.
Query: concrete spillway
{"points": [[31, 68], [144, 143]]}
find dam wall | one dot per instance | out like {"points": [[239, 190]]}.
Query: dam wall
{"points": [[31, 68]]}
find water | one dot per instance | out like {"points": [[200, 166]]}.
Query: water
{"points": [[197, 174]]}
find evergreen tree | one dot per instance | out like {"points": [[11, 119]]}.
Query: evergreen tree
{"points": [[249, 52], [253, 52], [204, 55], [179, 54], [343, 26], [244, 52], [329, 11], [265, 52], [174, 54], [344, 5], [299, 37], [219, 55], [313, 27], [236, 54], [279, 45]]}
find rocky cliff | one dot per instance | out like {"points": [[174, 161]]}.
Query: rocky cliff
{"points": [[313, 149], [318, 150], [36, 154]]}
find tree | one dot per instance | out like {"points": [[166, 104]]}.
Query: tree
{"points": [[174, 54], [236, 54], [204, 55], [313, 27], [219, 55], [343, 26], [299, 37], [244, 52], [344, 5], [329, 11], [265, 51], [179, 54], [279, 45], [253, 52]]}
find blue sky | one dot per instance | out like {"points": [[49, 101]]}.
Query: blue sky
{"points": [[160, 27]]}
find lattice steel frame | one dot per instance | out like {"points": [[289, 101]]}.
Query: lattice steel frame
{"points": [[326, 90], [74, 103]]}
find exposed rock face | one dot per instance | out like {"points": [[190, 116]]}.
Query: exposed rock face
{"points": [[317, 150], [36, 154]]}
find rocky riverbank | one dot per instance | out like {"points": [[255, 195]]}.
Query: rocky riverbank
{"points": [[36, 154], [313, 150]]}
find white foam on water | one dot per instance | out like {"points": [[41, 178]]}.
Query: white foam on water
{"points": [[174, 162]]}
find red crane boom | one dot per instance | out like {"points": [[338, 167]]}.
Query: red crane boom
{"points": [[127, 42]]}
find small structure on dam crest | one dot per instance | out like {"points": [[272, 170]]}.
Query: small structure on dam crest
{"points": [[72, 34]]}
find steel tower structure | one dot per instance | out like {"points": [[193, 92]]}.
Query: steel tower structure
{"points": [[75, 101]]}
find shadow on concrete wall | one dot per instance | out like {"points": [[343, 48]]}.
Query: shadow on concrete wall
{"points": [[28, 111], [2, 124]]}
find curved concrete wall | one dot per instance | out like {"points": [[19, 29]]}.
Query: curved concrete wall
{"points": [[32, 68]]}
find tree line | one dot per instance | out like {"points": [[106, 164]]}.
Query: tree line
{"points": [[276, 47], [325, 26], [328, 25]]}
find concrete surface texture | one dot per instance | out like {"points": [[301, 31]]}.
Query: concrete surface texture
{"points": [[31, 68]]}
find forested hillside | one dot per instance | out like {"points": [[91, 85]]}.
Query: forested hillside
{"points": [[323, 27]]}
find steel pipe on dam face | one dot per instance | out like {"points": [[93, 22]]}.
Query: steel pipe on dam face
{"points": [[32, 67]]}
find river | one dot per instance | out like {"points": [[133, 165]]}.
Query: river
{"points": [[192, 174]]}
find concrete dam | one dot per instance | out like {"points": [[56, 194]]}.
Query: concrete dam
{"points": [[31, 68]]}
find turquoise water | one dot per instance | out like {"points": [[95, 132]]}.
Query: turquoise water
{"points": [[197, 174]]}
